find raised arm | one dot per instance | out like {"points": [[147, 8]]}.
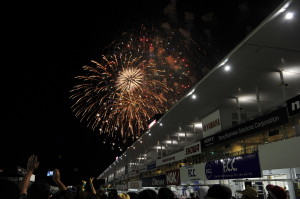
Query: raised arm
{"points": [[57, 181], [92, 185], [32, 164]]}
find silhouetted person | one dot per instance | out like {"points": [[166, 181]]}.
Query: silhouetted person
{"points": [[276, 192], [219, 191], [133, 195], [113, 194], [9, 189], [165, 193], [147, 194]]}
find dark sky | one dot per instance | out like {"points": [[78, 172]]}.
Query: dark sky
{"points": [[47, 44]]}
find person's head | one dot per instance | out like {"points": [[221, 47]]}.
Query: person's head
{"points": [[9, 189], [133, 195], [147, 194], [219, 191], [276, 192], [124, 195], [113, 193], [193, 195], [165, 193], [101, 193], [72, 190], [62, 194], [249, 193], [39, 190]]}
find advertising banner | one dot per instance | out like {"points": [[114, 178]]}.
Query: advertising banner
{"points": [[270, 120], [293, 105], [151, 166], [133, 174], [192, 149], [135, 185], [171, 158], [173, 177], [189, 173], [156, 181], [142, 168], [121, 187], [211, 124], [244, 166]]}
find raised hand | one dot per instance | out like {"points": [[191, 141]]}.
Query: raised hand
{"points": [[32, 163]]}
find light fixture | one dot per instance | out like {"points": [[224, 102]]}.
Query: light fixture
{"points": [[289, 15], [227, 68]]}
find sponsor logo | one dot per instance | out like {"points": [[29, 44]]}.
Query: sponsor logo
{"points": [[158, 182], [192, 149], [228, 165], [211, 125], [207, 140], [172, 177], [191, 173], [208, 170]]}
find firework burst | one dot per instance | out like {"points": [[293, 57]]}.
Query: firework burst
{"points": [[141, 75]]}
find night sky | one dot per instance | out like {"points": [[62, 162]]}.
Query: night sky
{"points": [[46, 46]]}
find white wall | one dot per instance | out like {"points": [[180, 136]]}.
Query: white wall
{"points": [[280, 154]]}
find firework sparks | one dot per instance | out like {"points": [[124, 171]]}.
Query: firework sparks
{"points": [[142, 75]]}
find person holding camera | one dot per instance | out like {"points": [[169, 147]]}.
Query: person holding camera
{"points": [[41, 189]]}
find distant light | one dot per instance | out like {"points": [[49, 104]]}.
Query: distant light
{"points": [[289, 15], [194, 96], [160, 124], [227, 68], [198, 125]]}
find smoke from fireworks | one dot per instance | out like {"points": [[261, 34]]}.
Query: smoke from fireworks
{"points": [[142, 74]]}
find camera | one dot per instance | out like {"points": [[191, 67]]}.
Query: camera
{"points": [[50, 173]]}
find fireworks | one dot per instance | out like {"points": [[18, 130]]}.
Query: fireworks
{"points": [[141, 75]]}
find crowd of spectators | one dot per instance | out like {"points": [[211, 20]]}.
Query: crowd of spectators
{"points": [[41, 189]]}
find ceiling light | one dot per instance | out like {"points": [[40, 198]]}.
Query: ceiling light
{"points": [[289, 15], [198, 125], [227, 68]]}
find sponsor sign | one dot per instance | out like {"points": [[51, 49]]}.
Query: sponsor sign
{"points": [[173, 177], [293, 105], [211, 123], [244, 166], [171, 158], [151, 166], [121, 187], [142, 168], [189, 173], [156, 181], [272, 119], [192, 149], [133, 174], [135, 185]]}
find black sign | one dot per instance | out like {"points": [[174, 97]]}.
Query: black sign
{"points": [[151, 166], [156, 181], [293, 105], [272, 119]]}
